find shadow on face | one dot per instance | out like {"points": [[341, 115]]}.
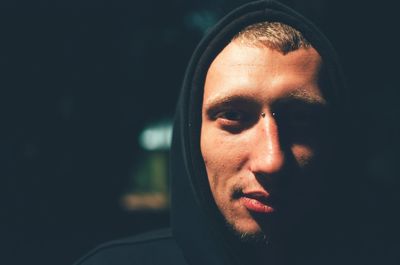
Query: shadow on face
{"points": [[262, 137]]}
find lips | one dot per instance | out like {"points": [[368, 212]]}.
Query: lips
{"points": [[257, 201]]}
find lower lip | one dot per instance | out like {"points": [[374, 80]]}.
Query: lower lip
{"points": [[255, 205]]}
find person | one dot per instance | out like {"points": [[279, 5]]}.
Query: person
{"points": [[254, 153]]}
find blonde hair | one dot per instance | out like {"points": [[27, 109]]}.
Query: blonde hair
{"points": [[274, 35]]}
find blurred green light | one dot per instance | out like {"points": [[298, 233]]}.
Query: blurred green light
{"points": [[156, 136]]}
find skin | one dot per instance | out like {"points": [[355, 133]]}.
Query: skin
{"points": [[258, 133]]}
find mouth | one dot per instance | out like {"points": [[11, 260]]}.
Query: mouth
{"points": [[257, 201]]}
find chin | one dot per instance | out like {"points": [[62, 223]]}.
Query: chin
{"points": [[249, 232]]}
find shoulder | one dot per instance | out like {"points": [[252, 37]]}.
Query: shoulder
{"points": [[156, 247]]}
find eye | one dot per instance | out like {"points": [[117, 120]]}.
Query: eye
{"points": [[231, 115], [300, 126], [233, 120], [297, 121], [301, 120]]}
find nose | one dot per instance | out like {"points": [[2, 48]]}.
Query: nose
{"points": [[267, 155]]}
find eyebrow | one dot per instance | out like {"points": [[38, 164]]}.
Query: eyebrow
{"points": [[306, 97], [220, 102], [230, 99], [298, 95]]}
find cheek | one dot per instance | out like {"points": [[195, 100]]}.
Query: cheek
{"points": [[303, 154], [220, 156], [223, 155], [219, 147]]}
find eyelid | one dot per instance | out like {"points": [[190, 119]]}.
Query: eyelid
{"points": [[232, 120], [223, 114], [218, 111]]}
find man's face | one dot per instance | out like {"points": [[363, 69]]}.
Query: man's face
{"points": [[259, 115]]}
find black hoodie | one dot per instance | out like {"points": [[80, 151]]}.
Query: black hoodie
{"points": [[198, 235]]}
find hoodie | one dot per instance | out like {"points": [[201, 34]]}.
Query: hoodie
{"points": [[198, 233]]}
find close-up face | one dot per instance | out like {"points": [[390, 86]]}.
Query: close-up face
{"points": [[259, 131]]}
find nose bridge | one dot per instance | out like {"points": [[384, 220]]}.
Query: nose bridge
{"points": [[268, 155]]}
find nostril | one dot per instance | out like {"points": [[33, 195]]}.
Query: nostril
{"points": [[271, 182], [268, 163]]}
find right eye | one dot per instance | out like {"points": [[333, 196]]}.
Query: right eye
{"points": [[233, 121], [231, 115]]}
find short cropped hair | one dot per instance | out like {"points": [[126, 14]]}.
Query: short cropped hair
{"points": [[274, 35]]}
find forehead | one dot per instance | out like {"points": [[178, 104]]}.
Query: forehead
{"points": [[264, 73]]}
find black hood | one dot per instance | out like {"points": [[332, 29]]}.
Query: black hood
{"points": [[196, 221]]}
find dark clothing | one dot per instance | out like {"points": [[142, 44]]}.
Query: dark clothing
{"points": [[158, 247], [199, 234]]}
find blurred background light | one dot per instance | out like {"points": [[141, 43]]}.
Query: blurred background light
{"points": [[156, 136]]}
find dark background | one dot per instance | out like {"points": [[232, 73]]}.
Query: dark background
{"points": [[79, 80]]}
